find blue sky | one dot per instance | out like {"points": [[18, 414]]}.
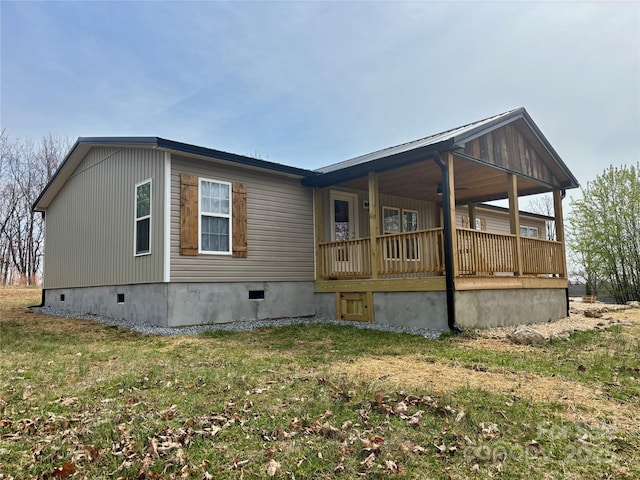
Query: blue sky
{"points": [[312, 83]]}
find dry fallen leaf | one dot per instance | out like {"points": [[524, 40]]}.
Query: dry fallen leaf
{"points": [[379, 396], [401, 407], [368, 462], [64, 471], [28, 391], [274, 468]]}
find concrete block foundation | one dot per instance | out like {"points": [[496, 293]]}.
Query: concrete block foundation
{"points": [[498, 308], [184, 304]]}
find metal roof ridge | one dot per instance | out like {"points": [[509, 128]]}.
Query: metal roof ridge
{"points": [[352, 160]]}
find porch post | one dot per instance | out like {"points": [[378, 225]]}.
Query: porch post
{"points": [[514, 220], [374, 224], [317, 225], [471, 206], [557, 212], [450, 192]]}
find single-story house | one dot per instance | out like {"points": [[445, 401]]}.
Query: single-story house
{"points": [[174, 234]]}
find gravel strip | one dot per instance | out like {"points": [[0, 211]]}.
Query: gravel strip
{"points": [[231, 327]]}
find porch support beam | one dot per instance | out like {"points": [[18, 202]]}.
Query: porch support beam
{"points": [[471, 206], [559, 223], [374, 224], [449, 197], [317, 226], [514, 220]]}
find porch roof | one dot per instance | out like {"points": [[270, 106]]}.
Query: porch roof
{"points": [[518, 147]]}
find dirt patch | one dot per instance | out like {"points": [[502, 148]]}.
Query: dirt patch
{"points": [[581, 402], [577, 321]]}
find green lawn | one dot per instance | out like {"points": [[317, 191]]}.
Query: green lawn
{"points": [[83, 400]]}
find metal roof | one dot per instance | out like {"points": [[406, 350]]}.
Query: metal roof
{"points": [[445, 137], [82, 146], [379, 161], [418, 150]]}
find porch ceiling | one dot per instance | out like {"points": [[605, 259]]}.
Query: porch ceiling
{"points": [[474, 182]]}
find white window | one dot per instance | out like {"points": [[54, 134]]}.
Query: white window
{"points": [[390, 219], [142, 232], [528, 231], [214, 219], [410, 224], [409, 220]]}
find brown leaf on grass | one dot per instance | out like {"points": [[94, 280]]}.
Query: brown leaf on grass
{"points": [[170, 413], [489, 430], [368, 462], [274, 468], [372, 445], [413, 420], [328, 430], [379, 396], [93, 453], [153, 448], [63, 471], [347, 425], [390, 466], [401, 407], [28, 391]]}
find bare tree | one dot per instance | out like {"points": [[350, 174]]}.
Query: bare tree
{"points": [[25, 169], [604, 231], [543, 205]]}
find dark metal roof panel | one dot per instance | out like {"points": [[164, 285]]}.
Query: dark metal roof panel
{"points": [[84, 144], [455, 135]]}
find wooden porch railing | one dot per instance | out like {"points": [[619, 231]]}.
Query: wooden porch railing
{"points": [[348, 258], [482, 253], [418, 253], [411, 252], [541, 257]]}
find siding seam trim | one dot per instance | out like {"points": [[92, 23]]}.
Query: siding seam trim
{"points": [[166, 243]]}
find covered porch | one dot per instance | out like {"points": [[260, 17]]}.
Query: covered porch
{"points": [[391, 221]]}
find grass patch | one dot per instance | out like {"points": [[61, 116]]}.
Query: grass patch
{"points": [[80, 400]]}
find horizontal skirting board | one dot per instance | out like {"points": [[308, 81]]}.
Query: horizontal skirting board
{"points": [[437, 284], [499, 283], [433, 284]]}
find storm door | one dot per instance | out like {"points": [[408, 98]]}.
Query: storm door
{"points": [[344, 226]]}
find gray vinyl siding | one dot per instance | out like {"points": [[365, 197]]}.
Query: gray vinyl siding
{"points": [[90, 224], [499, 222], [279, 228], [428, 214]]}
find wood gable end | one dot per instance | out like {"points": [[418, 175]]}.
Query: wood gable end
{"points": [[509, 148], [189, 217]]}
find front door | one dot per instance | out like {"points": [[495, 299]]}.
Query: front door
{"points": [[344, 216], [344, 226]]}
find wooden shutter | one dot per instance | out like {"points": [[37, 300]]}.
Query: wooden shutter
{"points": [[188, 214], [239, 220], [483, 224], [465, 221]]}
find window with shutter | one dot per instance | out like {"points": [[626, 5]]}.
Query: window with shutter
{"points": [[239, 220], [213, 217], [188, 214]]}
